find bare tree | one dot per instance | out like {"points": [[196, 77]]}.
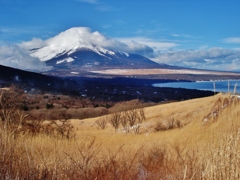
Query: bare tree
{"points": [[141, 115], [136, 129], [102, 122], [114, 120], [124, 122], [64, 128], [128, 119], [132, 117]]}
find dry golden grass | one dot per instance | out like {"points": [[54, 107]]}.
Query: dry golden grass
{"points": [[191, 113], [205, 146], [202, 134]]}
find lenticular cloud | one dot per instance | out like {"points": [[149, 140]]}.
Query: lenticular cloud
{"points": [[78, 37]]}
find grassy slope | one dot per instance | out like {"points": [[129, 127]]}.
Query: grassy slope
{"points": [[209, 142], [191, 112], [201, 149]]}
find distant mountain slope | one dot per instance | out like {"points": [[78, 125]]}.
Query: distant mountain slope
{"points": [[88, 58]]}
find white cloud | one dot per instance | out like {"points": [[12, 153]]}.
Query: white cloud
{"points": [[213, 58], [158, 45], [35, 42], [89, 1], [105, 7], [182, 35], [14, 56], [100, 5], [232, 40]]}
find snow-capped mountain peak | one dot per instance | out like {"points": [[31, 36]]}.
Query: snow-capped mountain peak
{"points": [[69, 42], [78, 47]]}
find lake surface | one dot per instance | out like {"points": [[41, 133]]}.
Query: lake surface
{"points": [[220, 86]]}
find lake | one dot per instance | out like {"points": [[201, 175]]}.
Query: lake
{"points": [[221, 86]]}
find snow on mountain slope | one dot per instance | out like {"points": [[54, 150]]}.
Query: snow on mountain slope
{"points": [[69, 42], [78, 47]]}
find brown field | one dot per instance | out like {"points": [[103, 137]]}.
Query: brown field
{"points": [[194, 139]]}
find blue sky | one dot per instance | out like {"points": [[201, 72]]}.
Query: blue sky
{"points": [[202, 34]]}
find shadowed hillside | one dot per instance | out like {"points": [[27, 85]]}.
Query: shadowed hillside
{"points": [[113, 89], [31, 80]]}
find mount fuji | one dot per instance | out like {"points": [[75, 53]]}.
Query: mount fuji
{"points": [[80, 48]]}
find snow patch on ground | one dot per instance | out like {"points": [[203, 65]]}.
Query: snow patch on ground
{"points": [[69, 59], [74, 72]]}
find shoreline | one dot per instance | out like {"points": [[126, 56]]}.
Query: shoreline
{"points": [[206, 86]]}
